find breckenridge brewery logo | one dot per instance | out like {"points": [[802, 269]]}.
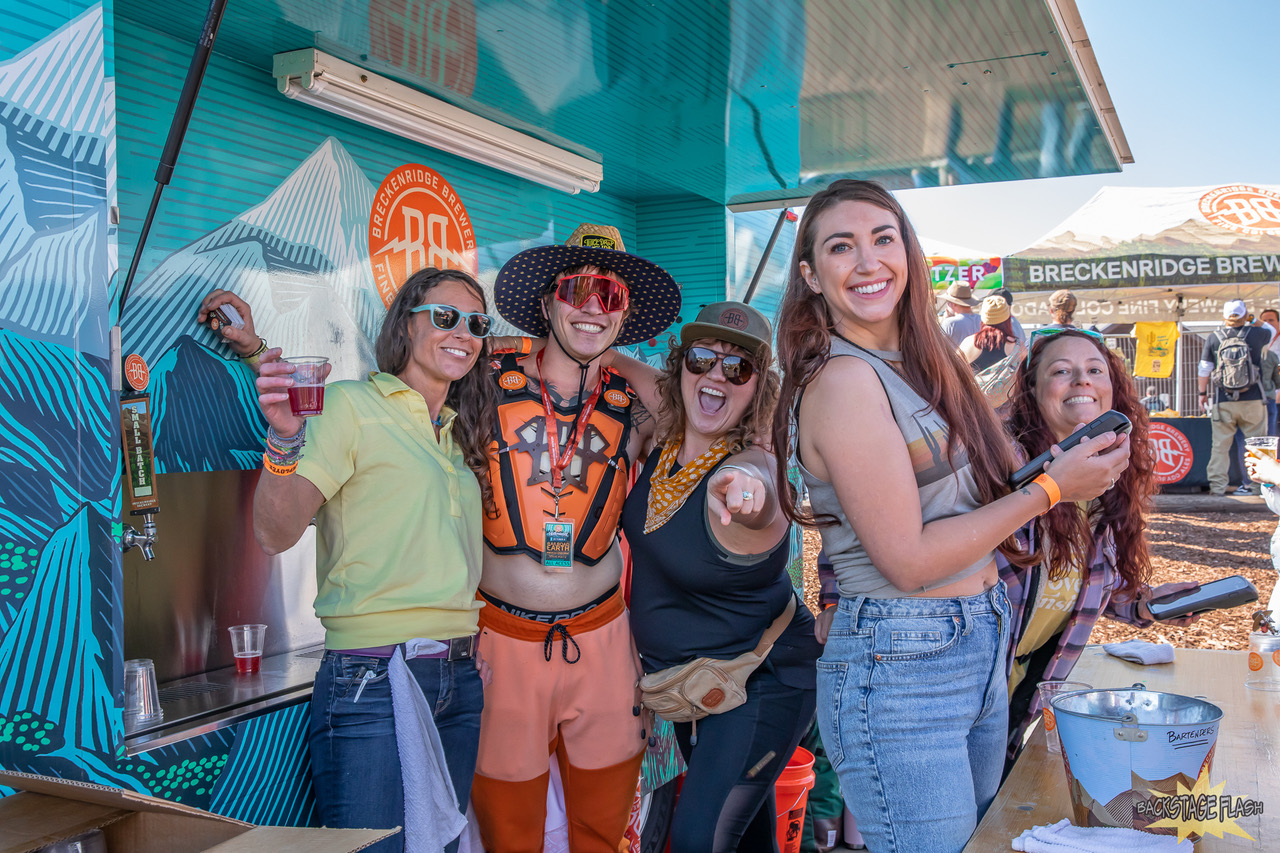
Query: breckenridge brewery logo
{"points": [[417, 221], [1243, 209]]}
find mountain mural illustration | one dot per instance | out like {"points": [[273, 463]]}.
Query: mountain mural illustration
{"points": [[299, 258], [52, 398], [57, 172], [56, 664]]}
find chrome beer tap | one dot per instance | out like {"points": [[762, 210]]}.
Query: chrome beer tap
{"points": [[145, 541]]}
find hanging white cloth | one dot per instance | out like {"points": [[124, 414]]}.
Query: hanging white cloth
{"points": [[431, 816]]}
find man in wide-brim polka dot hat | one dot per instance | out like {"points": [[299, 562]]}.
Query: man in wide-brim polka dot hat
{"points": [[554, 629]]}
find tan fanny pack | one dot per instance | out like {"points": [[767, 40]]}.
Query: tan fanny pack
{"points": [[705, 686]]}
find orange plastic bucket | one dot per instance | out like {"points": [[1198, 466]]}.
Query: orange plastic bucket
{"points": [[791, 792]]}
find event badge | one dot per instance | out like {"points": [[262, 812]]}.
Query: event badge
{"points": [[557, 545]]}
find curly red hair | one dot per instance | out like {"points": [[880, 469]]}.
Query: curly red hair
{"points": [[1067, 533]]}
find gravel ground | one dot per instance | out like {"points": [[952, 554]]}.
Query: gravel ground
{"points": [[1199, 547]]}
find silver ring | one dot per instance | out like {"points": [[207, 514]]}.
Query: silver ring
{"points": [[746, 496]]}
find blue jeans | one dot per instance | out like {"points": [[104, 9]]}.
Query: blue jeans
{"points": [[355, 766], [913, 708]]}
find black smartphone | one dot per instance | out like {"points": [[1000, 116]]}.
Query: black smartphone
{"points": [[1214, 595], [1111, 421]]}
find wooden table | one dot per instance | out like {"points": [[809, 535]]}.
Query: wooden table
{"points": [[1247, 757]]}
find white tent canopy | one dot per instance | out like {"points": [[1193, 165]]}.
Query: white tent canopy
{"points": [[1145, 253]]}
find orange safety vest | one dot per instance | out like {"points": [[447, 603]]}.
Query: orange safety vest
{"points": [[595, 483]]}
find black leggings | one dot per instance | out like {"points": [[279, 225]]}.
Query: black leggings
{"points": [[730, 746]]}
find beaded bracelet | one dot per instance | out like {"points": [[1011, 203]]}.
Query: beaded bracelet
{"points": [[285, 451]]}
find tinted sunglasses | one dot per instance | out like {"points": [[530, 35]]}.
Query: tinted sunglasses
{"points": [[575, 290], [1045, 334], [737, 369], [446, 319]]}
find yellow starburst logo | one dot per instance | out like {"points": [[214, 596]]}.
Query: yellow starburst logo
{"points": [[1202, 810]]}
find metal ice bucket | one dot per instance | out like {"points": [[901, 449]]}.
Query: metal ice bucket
{"points": [[1121, 745]]}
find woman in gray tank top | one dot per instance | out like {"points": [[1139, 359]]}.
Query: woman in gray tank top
{"points": [[906, 467]]}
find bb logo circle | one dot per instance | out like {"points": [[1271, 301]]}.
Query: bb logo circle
{"points": [[1049, 722], [417, 221], [1275, 656], [137, 372], [1255, 661], [733, 318], [1243, 209], [1172, 451], [617, 398], [512, 380]]}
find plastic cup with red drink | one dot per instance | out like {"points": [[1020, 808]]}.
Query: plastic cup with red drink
{"points": [[306, 395]]}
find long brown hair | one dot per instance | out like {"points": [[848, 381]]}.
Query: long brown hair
{"points": [[752, 429], [473, 396], [1066, 532], [930, 363]]}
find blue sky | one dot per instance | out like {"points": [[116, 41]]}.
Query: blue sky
{"points": [[1196, 89]]}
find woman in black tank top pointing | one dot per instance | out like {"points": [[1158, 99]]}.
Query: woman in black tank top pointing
{"points": [[710, 545]]}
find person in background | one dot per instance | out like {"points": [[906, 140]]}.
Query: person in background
{"points": [[1018, 332], [395, 473], [1271, 317], [1266, 470], [994, 341], [1235, 400], [1062, 309], [1094, 554], [1153, 402], [1270, 378], [907, 467], [958, 318], [710, 542]]}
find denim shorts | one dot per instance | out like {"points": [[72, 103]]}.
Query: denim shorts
{"points": [[913, 708]]}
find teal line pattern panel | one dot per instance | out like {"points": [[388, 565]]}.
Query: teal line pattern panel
{"points": [[267, 777]]}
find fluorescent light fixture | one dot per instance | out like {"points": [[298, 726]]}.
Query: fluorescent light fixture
{"points": [[352, 92]]}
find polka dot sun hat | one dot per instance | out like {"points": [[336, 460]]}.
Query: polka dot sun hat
{"points": [[654, 294]]}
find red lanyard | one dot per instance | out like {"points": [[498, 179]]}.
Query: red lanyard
{"points": [[558, 462]]}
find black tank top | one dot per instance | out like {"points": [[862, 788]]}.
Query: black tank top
{"points": [[988, 358], [689, 598]]}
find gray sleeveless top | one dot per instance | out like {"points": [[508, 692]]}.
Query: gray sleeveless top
{"points": [[944, 491]]}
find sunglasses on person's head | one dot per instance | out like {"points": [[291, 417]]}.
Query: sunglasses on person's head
{"points": [[576, 289], [737, 369], [1044, 334], [446, 318]]}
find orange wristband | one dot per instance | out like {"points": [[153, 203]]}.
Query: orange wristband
{"points": [[278, 470], [1051, 489]]}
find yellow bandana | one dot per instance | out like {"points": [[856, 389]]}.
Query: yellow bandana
{"points": [[668, 492]]}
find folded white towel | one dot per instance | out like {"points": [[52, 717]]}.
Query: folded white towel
{"points": [[431, 815], [1063, 837], [1140, 651]]}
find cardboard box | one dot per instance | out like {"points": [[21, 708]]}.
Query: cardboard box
{"points": [[47, 810]]}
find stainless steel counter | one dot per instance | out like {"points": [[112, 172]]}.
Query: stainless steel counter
{"points": [[203, 703]]}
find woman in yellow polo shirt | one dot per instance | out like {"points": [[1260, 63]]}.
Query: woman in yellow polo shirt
{"points": [[395, 473]]}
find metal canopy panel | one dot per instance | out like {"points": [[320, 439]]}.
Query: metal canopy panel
{"points": [[745, 100]]}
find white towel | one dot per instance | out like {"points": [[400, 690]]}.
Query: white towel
{"points": [[1063, 837], [431, 815], [1140, 651]]}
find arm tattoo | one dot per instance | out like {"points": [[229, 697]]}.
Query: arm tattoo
{"points": [[1026, 491], [639, 414]]}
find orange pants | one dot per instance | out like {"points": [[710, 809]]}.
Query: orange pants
{"points": [[579, 706]]}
